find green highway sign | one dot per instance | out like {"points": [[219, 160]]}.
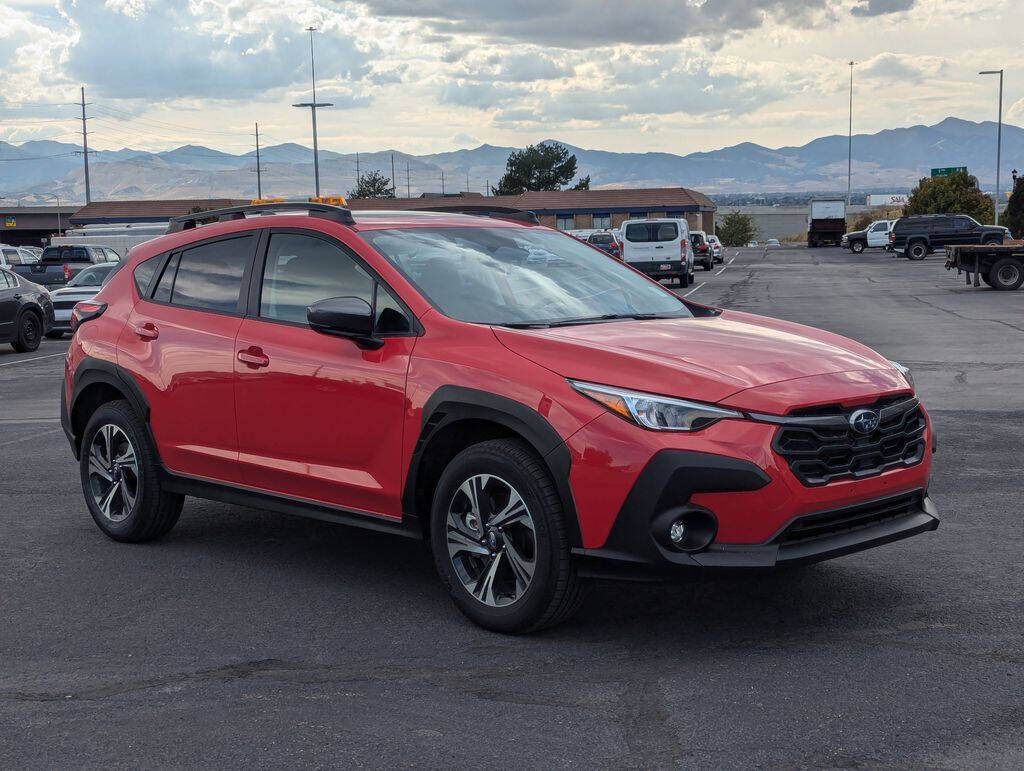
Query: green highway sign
{"points": [[948, 170]]}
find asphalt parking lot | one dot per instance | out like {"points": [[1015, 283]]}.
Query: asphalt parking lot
{"points": [[248, 638]]}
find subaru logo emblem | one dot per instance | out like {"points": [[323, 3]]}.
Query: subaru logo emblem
{"points": [[864, 421]]}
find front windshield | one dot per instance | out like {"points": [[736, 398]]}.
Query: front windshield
{"points": [[520, 276]]}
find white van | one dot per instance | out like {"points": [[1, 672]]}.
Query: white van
{"points": [[659, 247]]}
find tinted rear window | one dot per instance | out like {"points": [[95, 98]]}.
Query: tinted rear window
{"points": [[647, 232], [602, 238], [209, 277], [64, 254]]}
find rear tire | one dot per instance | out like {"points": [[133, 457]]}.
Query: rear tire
{"points": [[121, 477], [917, 250], [30, 332], [1006, 274], [684, 279], [515, 576]]}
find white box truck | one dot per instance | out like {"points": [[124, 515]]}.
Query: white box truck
{"points": [[826, 223]]}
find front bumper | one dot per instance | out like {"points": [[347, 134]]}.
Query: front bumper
{"points": [[638, 547]]}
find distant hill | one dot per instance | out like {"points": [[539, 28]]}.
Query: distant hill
{"points": [[894, 158]]}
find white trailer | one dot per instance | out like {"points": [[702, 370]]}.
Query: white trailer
{"points": [[120, 238]]}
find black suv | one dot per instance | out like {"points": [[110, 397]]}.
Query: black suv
{"points": [[920, 235]]}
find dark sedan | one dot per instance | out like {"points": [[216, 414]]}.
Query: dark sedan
{"points": [[26, 312]]}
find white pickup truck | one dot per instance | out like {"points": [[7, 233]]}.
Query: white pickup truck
{"points": [[874, 236]]}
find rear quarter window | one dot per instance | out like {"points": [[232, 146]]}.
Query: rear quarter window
{"points": [[648, 232], [143, 274]]}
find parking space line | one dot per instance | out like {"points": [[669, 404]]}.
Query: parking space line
{"points": [[30, 437], [731, 262], [702, 283], [34, 358], [17, 421], [719, 273]]}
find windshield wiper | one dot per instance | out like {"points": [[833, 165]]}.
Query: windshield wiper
{"points": [[587, 320]]}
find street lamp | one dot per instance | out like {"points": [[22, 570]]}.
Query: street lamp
{"points": [[54, 195], [849, 144], [999, 134], [312, 106]]}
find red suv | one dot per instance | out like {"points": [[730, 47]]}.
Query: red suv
{"points": [[538, 410]]}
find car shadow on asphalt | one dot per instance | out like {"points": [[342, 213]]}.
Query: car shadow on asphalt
{"points": [[366, 570]]}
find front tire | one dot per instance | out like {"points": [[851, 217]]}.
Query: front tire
{"points": [[121, 477], [500, 539], [30, 332], [856, 247]]}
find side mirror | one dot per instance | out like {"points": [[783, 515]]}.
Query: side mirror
{"points": [[350, 317]]}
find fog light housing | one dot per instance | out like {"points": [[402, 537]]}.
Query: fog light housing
{"points": [[685, 528]]}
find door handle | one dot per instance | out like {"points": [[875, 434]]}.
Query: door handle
{"points": [[254, 357], [147, 331], [17, 297]]}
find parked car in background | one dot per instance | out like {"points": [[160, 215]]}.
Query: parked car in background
{"points": [[772, 243], [59, 264], [659, 248], [919, 235], [16, 255], [607, 242], [26, 311], [82, 286], [538, 423], [752, 244], [717, 250], [874, 236], [701, 249]]}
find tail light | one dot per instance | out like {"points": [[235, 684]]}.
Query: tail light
{"points": [[892, 236], [67, 273], [87, 310]]}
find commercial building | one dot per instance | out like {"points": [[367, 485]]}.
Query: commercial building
{"points": [[121, 212], [32, 225]]}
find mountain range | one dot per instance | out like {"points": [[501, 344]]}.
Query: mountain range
{"points": [[893, 159]]}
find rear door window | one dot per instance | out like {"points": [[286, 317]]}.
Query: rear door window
{"points": [[65, 254], [650, 232], [12, 256], [209, 276]]}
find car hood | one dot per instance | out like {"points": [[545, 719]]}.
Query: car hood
{"points": [[856, 233], [708, 358]]}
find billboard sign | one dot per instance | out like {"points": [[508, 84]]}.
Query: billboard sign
{"points": [[888, 199]]}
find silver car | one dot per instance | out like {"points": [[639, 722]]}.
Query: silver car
{"points": [[82, 286]]}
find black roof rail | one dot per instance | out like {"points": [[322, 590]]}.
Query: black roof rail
{"points": [[500, 212], [340, 214]]}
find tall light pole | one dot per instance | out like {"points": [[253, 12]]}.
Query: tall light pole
{"points": [[999, 134], [54, 195], [849, 141], [312, 106]]}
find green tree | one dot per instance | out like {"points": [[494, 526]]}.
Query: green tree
{"points": [[1013, 217], [373, 185], [539, 167], [956, 194], [736, 229]]}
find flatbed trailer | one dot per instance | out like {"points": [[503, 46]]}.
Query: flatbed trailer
{"points": [[1001, 266]]}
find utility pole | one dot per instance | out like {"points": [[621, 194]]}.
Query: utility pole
{"points": [[85, 153], [442, 181], [393, 195], [467, 181], [358, 177], [999, 135], [259, 169], [312, 106], [487, 190], [849, 146], [408, 183]]}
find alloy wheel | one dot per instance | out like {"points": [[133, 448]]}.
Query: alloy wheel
{"points": [[113, 472], [491, 540]]}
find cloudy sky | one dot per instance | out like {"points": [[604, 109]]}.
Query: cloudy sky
{"points": [[435, 75]]}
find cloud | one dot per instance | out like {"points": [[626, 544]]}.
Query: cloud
{"points": [[581, 24], [463, 139], [881, 7]]}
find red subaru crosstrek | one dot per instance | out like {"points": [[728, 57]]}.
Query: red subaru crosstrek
{"points": [[538, 410]]}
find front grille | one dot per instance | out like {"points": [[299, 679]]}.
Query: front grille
{"points": [[821, 448], [863, 515]]}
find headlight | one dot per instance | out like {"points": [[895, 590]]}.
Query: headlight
{"points": [[905, 371], [659, 413]]}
